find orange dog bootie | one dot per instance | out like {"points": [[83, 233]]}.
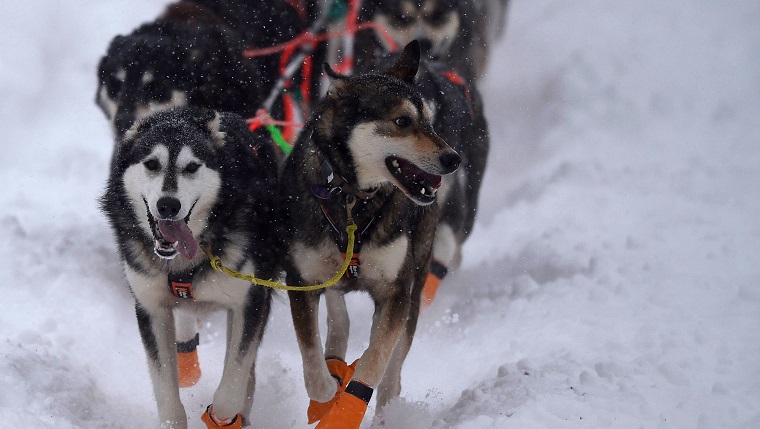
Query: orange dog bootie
{"points": [[188, 367], [212, 422], [349, 409], [437, 272], [342, 374]]}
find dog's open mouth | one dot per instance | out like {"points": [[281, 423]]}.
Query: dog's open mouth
{"points": [[420, 185], [172, 237]]}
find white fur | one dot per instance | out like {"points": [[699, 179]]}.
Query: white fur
{"points": [[320, 263], [199, 188], [370, 149]]}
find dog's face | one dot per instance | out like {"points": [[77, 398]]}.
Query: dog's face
{"points": [[172, 179], [434, 23], [141, 75], [393, 138]]}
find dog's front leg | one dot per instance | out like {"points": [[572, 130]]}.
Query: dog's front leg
{"points": [[245, 328], [156, 326], [338, 325], [387, 323], [390, 317], [304, 308]]}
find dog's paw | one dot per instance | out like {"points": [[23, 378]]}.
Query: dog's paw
{"points": [[342, 374], [213, 422], [320, 384], [349, 409]]}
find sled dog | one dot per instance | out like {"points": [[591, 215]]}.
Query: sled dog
{"points": [[193, 54], [452, 31], [369, 153], [180, 178]]}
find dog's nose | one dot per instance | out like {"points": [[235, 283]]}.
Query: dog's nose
{"points": [[450, 161], [168, 207]]}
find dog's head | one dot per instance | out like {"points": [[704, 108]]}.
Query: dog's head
{"points": [[144, 72], [168, 64], [169, 166], [382, 125], [434, 23]]}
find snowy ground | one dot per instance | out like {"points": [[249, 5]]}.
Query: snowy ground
{"points": [[613, 279]]}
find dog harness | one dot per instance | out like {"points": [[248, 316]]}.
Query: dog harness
{"points": [[335, 185], [181, 283]]}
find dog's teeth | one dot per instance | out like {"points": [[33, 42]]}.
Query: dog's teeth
{"points": [[422, 191], [395, 163]]}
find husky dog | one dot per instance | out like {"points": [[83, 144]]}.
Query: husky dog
{"points": [[369, 152], [178, 178], [194, 55], [186, 57], [448, 30], [460, 120]]}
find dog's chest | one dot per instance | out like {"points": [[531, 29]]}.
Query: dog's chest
{"points": [[319, 263], [213, 288]]}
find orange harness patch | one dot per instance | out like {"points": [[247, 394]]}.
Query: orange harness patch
{"points": [[181, 284]]}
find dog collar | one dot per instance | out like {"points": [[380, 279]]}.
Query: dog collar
{"points": [[334, 183], [181, 283]]}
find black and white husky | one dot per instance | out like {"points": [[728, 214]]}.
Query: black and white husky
{"points": [[369, 150], [179, 178]]}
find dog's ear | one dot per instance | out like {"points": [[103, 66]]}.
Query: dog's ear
{"points": [[332, 73], [337, 80], [132, 132], [407, 64]]}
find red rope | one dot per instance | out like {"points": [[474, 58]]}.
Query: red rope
{"points": [[287, 49]]}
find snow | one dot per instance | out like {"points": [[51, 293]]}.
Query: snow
{"points": [[612, 280]]}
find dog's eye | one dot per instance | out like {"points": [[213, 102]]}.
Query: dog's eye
{"points": [[152, 165], [191, 168], [403, 121]]}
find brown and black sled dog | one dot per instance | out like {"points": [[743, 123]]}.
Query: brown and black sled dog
{"points": [[370, 154]]}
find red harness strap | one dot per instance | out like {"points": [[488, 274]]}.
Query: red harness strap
{"points": [[457, 79]]}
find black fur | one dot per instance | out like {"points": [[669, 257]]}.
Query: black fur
{"points": [[461, 121], [146, 334], [205, 62], [197, 48]]}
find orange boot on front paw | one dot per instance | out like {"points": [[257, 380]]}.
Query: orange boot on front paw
{"points": [[342, 374], [349, 409], [213, 422]]}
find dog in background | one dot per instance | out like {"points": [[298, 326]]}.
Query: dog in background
{"points": [[194, 54], [178, 178], [450, 31], [370, 154], [186, 57], [458, 117], [454, 36]]}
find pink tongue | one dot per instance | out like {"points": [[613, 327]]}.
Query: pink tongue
{"points": [[178, 231]]}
